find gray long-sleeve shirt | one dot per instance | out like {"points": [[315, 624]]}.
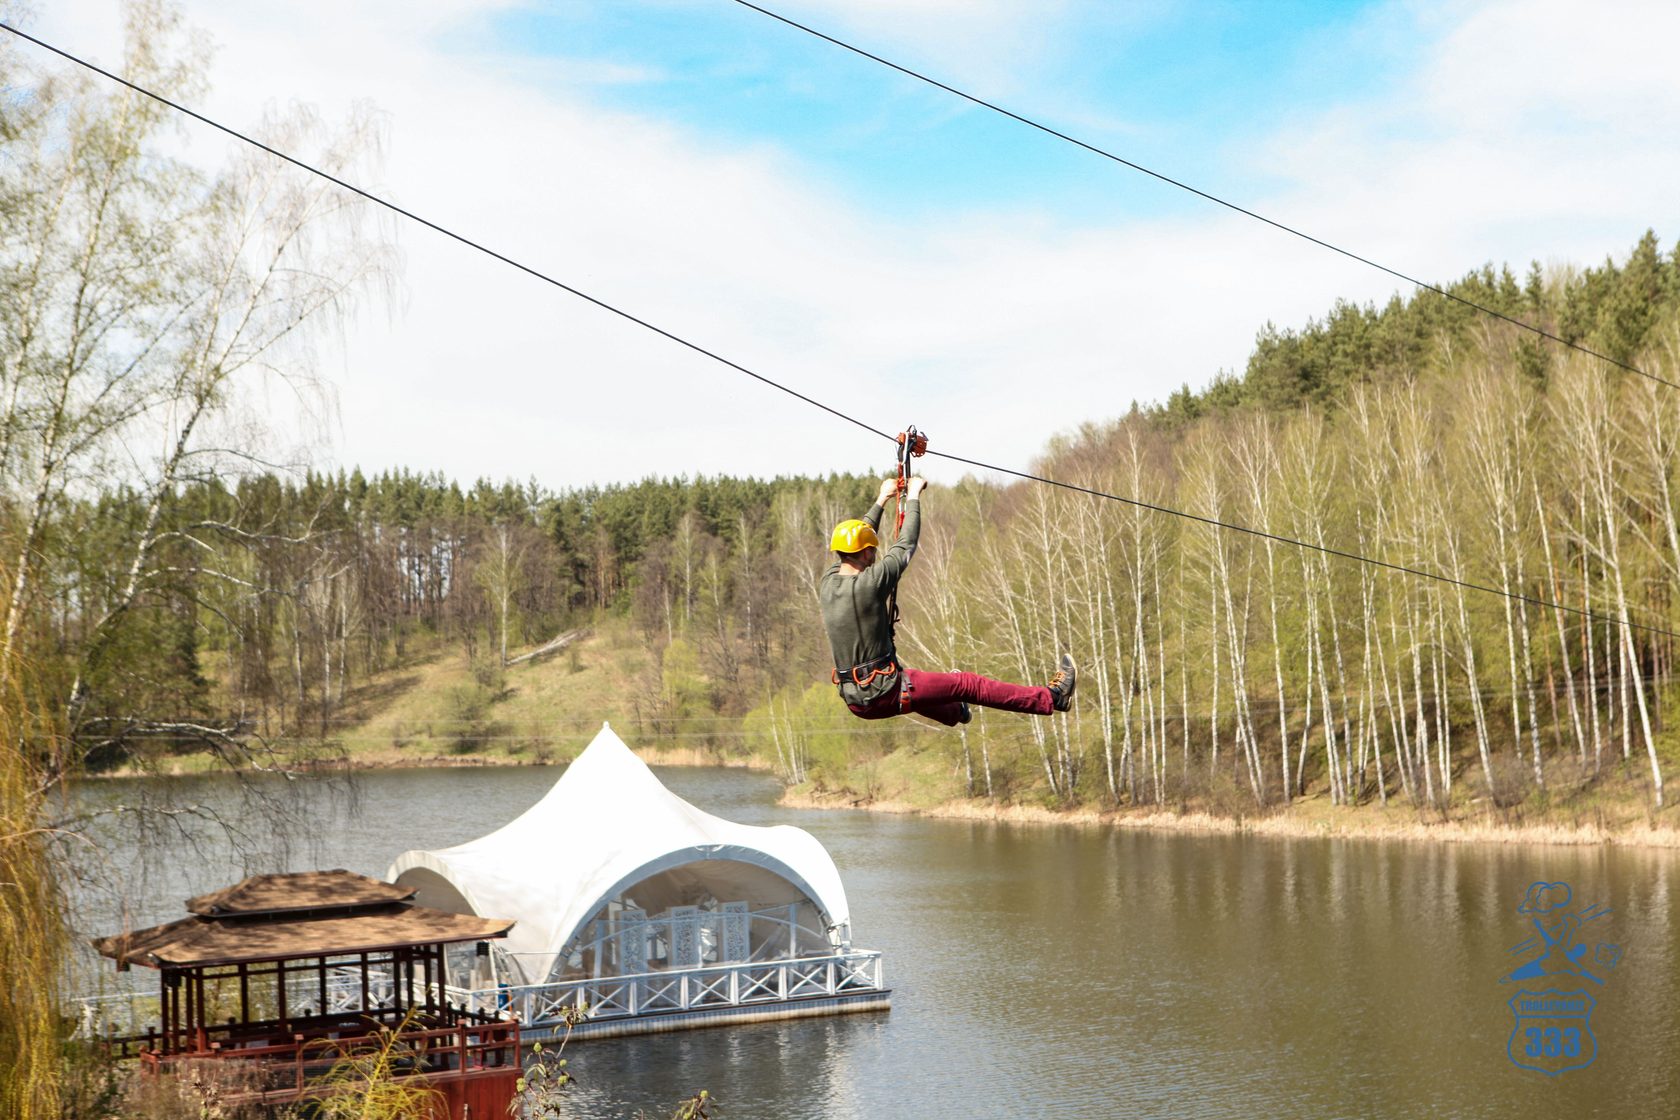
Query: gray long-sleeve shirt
{"points": [[855, 607]]}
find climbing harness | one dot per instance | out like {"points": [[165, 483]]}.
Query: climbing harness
{"points": [[864, 675]]}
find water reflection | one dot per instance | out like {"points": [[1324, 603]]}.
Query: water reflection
{"points": [[1045, 971]]}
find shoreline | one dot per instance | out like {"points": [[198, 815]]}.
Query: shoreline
{"points": [[1280, 825], [673, 756], [1368, 823]]}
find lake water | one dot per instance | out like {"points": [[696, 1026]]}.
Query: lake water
{"points": [[1072, 972]]}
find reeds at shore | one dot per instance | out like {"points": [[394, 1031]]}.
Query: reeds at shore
{"points": [[1284, 824], [32, 935]]}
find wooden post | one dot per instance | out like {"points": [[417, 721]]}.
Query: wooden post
{"points": [[201, 1017], [165, 999], [244, 993], [175, 1016], [365, 997], [322, 1006], [280, 991]]}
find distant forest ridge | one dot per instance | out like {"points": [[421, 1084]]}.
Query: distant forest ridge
{"points": [[1615, 310]]}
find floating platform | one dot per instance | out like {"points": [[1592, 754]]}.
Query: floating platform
{"points": [[637, 912]]}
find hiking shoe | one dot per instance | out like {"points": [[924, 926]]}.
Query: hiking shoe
{"points": [[1062, 684], [964, 715]]}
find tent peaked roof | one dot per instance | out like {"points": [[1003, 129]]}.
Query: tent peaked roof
{"points": [[607, 824]]}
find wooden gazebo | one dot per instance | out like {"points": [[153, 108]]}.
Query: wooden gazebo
{"points": [[288, 974]]}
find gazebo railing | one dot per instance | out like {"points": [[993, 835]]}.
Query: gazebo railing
{"points": [[286, 1065], [132, 1012]]}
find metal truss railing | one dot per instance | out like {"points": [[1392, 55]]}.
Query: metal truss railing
{"points": [[724, 985]]}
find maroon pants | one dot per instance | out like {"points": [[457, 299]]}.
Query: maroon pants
{"points": [[940, 696]]}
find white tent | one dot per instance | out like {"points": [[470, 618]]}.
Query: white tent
{"points": [[607, 828]]}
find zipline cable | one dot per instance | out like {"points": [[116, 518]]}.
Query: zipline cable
{"points": [[1214, 522], [449, 233], [1183, 186]]}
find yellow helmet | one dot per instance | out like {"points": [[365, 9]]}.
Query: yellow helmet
{"points": [[853, 536]]}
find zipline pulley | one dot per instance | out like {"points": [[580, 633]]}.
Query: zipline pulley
{"points": [[911, 445]]}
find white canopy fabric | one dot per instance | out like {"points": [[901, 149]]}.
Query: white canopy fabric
{"points": [[606, 825]]}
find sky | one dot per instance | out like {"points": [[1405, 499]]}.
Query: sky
{"points": [[886, 248]]}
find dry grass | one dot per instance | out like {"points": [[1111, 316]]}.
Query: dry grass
{"points": [[1368, 822], [698, 756], [438, 712]]}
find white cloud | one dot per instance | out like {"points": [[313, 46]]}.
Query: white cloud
{"points": [[1530, 130], [992, 331]]}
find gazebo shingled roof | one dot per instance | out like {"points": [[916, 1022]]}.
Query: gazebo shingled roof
{"points": [[302, 914], [300, 890], [197, 942]]}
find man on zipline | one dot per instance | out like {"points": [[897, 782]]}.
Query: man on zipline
{"points": [[857, 595]]}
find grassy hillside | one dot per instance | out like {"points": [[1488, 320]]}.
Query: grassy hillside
{"points": [[441, 706]]}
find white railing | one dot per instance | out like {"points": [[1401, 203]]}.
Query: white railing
{"points": [[691, 989]]}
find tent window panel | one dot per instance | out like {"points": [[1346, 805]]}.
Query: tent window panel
{"points": [[625, 940]]}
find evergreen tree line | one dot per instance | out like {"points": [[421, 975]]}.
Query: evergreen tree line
{"points": [[270, 600]]}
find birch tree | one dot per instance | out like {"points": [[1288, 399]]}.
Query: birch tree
{"points": [[149, 305]]}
